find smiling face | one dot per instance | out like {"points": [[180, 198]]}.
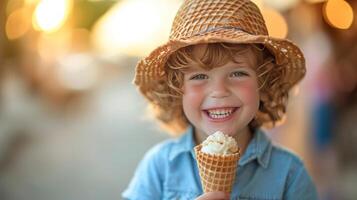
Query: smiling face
{"points": [[224, 98]]}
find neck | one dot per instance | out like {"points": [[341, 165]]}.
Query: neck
{"points": [[243, 138]]}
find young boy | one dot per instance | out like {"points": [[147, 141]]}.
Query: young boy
{"points": [[220, 71]]}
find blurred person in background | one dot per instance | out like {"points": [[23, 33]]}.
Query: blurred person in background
{"points": [[343, 82], [334, 113]]}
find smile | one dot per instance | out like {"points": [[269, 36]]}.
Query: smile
{"points": [[220, 114]]}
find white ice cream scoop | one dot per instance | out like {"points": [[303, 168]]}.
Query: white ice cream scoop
{"points": [[220, 144]]}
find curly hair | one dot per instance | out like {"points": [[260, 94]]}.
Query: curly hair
{"points": [[273, 93]]}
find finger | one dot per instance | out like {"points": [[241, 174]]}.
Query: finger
{"points": [[214, 196]]}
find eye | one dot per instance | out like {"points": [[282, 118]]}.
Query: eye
{"points": [[239, 74], [199, 77]]}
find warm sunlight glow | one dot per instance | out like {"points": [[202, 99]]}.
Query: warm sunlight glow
{"points": [[338, 13], [78, 72], [259, 3], [315, 1], [281, 5], [134, 27], [50, 15], [31, 2], [276, 23], [17, 24]]}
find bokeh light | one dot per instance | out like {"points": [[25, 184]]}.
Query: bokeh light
{"points": [[53, 46], [17, 23], [315, 1], [338, 13], [276, 23], [13, 5], [50, 15], [281, 5], [123, 30], [31, 2], [78, 72], [259, 3]]}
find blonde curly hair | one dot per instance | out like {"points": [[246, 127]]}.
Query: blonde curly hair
{"points": [[273, 93]]}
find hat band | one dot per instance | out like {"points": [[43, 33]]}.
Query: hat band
{"points": [[222, 28], [213, 29]]}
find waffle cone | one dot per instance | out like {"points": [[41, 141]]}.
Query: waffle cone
{"points": [[217, 172]]}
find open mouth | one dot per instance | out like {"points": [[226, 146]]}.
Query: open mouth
{"points": [[220, 114]]}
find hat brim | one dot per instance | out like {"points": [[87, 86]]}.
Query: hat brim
{"points": [[150, 70]]}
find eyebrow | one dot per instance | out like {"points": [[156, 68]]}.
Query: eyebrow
{"points": [[192, 68], [245, 61], [242, 65]]}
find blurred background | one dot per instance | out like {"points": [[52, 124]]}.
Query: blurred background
{"points": [[73, 126]]}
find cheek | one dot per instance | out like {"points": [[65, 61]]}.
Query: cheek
{"points": [[193, 91], [249, 93], [192, 97]]}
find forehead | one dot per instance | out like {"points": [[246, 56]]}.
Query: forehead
{"points": [[242, 53]]}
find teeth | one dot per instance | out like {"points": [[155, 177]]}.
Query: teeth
{"points": [[220, 113]]}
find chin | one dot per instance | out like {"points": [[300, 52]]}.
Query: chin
{"points": [[230, 133], [227, 131]]}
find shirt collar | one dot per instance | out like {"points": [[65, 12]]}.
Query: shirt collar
{"points": [[258, 149], [183, 144]]}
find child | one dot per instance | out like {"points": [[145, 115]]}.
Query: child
{"points": [[220, 71]]}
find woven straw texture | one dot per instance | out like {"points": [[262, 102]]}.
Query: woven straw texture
{"points": [[210, 21], [217, 173]]}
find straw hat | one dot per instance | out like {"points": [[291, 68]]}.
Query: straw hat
{"points": [[211, 21]]}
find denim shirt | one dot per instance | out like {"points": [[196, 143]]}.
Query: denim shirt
{"points": [[265, 172]]}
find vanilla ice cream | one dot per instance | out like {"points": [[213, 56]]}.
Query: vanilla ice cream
{"points": [[220, 144]]}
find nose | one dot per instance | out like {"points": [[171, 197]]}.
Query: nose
{"points": [[219, 89]]}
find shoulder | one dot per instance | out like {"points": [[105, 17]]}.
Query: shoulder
{"points": [[147, 182], [286, 161], [282, 161], [280, 153], [298, 182], [273, 155], [167, 145], [162, 150], [297, 175]]}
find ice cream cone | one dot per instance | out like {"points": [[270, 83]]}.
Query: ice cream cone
{"points": [[217, 172]]}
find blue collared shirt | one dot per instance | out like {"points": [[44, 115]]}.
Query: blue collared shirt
{"points": [[265, 172]]}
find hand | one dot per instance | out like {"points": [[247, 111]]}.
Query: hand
{"points": [[214, 196]]}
